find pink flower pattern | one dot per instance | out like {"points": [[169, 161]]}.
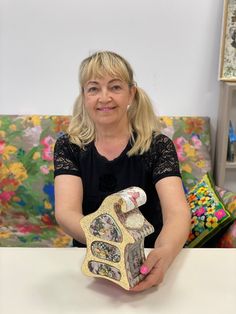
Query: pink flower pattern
{"points": [[220, 214], [2, 145], [200, 211], [179, 144], [197, 143], [5, 196], [48, 143]]}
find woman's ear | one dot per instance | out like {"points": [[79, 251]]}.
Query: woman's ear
{"points": [[133, 90]]}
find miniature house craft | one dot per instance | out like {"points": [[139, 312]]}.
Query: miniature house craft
{"points": [[115, 238]]}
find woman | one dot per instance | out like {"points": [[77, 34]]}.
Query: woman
{"points": [[113, 143]]}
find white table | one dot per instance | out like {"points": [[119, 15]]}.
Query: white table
{"points": [[43, 280]]}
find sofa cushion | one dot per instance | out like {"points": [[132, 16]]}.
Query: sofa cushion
{"points": [[228, 238], [191, 136], [209, 215]]}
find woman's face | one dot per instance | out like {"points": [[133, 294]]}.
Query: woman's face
{"points": [[107, 99]]}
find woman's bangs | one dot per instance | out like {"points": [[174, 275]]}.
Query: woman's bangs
{"points": [[101, 68]]}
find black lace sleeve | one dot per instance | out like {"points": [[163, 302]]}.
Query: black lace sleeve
{"points": [[163, 158], [66, 159]]}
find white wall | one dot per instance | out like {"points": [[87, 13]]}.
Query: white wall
{"points": [[172, 45]]}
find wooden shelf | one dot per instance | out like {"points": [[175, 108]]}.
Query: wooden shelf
{"points": [[230, 165], [227, 112]]}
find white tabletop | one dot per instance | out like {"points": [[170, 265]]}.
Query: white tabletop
{"points": [[43, 280]]}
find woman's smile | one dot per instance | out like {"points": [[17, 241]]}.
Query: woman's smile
{"points": [[106, 108]]}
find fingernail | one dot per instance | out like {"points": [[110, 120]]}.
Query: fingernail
{"points": [[144, 270]]}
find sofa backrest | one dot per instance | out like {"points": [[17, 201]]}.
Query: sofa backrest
{"points": [[26, 158]]}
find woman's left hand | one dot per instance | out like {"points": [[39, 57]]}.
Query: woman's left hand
{"points": [[154, 268]]}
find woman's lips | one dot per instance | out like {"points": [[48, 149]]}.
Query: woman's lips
{"points": [[105, 109]]}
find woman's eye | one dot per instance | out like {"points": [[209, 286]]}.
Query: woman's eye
{"points": [[116, 88], [92, 90]]}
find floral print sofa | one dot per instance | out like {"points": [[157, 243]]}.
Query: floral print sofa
{"points": [[26, 175]]}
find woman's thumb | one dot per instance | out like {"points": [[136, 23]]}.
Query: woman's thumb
{"points": [[149, 263]]}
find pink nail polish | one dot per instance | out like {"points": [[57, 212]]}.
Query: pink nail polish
{"points": [[144, 270]]}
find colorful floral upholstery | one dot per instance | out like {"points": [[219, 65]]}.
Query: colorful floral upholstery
{"points": [[26, 181], [26, 172]]}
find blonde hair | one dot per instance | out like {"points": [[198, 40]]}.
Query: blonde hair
{"points": [[142, 119]]}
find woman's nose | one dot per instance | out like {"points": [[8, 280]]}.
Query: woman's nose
{"points": [[104, 95]]}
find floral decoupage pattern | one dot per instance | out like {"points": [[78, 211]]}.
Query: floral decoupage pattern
{"points": [[105, 227], [108, 238], [105, 251], [103, 269]]}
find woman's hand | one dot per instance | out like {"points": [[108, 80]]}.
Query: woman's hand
{"points": [[154, 268], [174, 233]]}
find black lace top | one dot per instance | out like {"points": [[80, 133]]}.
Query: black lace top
{"points": [[101, 177]]}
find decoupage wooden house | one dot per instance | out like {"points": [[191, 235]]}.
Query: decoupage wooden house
{"points": [[115, 238]]}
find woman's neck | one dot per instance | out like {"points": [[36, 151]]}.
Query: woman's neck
{"points": [[113, 133], [110, 143]]}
